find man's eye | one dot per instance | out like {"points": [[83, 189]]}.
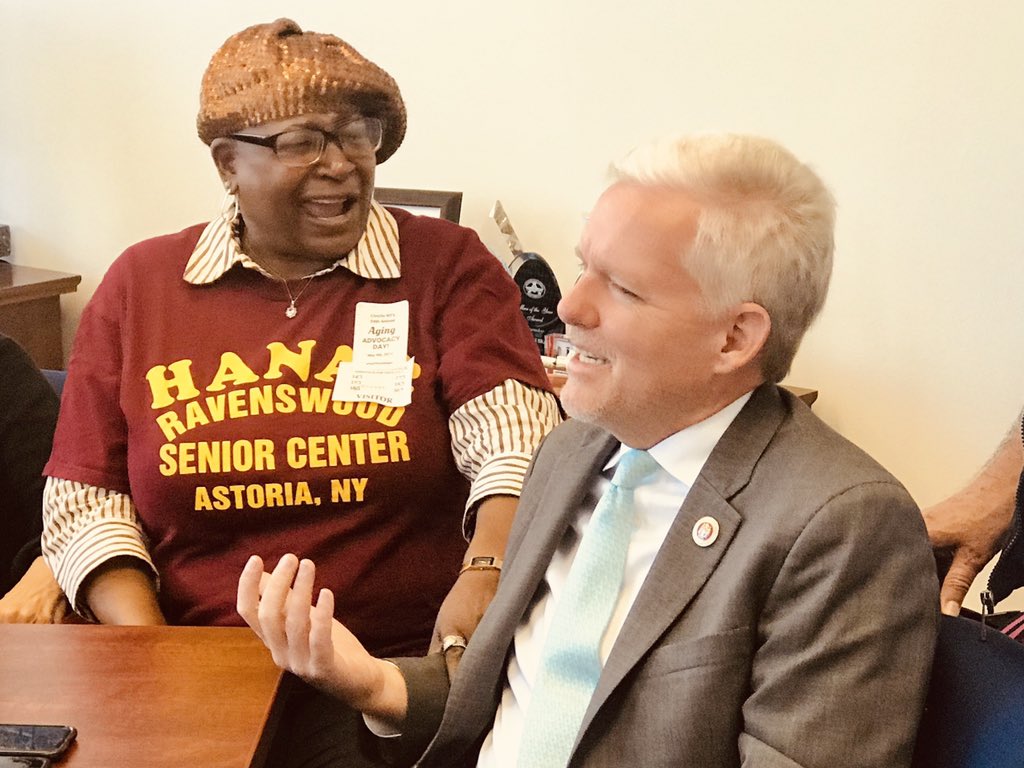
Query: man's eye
{"points": [[624, 291]]}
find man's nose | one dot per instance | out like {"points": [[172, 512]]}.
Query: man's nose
{"points": [[577, 307]]}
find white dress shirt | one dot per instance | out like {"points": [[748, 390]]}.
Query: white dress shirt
{"points": [[657, 501]]}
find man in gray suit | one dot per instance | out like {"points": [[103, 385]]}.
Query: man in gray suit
{"points": [[772, 600]]}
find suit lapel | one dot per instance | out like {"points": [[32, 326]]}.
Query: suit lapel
{"points": [[681, 567], [567, 484], [679, 571]]}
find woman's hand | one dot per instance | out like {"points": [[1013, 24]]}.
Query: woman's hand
{"points": [[473, 591], [306, 640], [464, 605], [461, 612], [35, 599]]}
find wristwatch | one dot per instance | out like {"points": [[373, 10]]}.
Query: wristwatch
{"points": [[481, 563]]}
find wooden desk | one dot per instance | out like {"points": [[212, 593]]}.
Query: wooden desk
{"points": [[144, 697], [30, 310]]}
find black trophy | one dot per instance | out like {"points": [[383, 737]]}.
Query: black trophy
{"points": [[538, 288]]}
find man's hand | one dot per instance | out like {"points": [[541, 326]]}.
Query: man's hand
{"points": [[305, 639], [972, 523], [35, 599], [974, 532]]}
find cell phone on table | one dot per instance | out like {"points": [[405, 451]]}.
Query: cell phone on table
{"points": [[23, 740], [24, 761]]}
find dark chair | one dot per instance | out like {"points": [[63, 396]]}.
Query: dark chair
{"points": [[56, 379], [974, 714]]}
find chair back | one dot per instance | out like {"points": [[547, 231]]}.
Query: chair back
{"points": [[974, 714]]}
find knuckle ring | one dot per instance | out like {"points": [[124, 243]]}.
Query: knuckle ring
{"points": [[452, 641]]}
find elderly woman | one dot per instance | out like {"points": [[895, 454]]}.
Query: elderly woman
{"points": [[310, 372]]}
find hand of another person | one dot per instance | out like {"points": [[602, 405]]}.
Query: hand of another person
{"points": [[972, 523], [35, 599], [973, 532], [306, 640]]}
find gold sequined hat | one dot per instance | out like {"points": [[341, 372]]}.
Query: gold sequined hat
{"points": [[274, 71]]}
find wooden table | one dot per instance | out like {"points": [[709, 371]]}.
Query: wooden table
{"points": [[143, 697], [30, 310]]}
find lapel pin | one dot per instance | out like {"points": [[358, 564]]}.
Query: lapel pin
{"points": [[705, 531]]}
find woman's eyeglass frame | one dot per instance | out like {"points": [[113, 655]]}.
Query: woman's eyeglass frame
{"points": [[373, 130]]}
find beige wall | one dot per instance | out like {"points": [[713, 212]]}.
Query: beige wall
{"points": [[911, 111]]}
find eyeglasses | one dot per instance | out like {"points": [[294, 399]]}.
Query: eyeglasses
{"points": [[358, 139]]}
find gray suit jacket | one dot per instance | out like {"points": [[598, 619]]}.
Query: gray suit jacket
{"points": [[802, 637]]}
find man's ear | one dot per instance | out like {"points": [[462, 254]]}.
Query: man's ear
{"points": [[223, 152], [747, 328]]}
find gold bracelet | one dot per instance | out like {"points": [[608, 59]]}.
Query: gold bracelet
{"points": [[481, 564]]}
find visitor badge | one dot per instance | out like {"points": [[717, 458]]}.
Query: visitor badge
{"points": [[379, 371]]}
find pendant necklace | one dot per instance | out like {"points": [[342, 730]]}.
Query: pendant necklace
{"points": [[292, 311]]}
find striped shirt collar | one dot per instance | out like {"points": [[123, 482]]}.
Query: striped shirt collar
{"points": [[375, 256]]}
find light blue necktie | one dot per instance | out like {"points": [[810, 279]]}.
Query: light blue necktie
{"points": [[570, 663]]}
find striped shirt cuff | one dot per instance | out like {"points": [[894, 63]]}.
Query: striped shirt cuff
{"points": [[83, 527], [494, 436]]}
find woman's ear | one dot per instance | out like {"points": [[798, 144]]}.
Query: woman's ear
{"points": [[223, 152], [748, 328]]}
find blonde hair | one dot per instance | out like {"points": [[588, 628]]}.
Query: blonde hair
{"points": [[765, 232]]}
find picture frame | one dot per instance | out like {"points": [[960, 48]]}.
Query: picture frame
{"points": [[422, 202]]}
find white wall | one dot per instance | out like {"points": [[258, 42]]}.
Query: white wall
{"points": [[911, 111]]}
